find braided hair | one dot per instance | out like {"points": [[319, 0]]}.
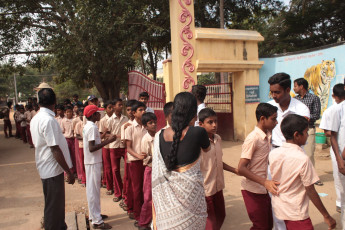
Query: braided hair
{"points": [[185, 109]]}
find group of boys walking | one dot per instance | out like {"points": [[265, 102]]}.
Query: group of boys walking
{"points": [[275, 144]]}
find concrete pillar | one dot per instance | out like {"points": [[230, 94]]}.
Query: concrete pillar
{"points": [[183, 45], [168, 79]]}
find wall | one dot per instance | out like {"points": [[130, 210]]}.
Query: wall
{"points": [[296, 64]]}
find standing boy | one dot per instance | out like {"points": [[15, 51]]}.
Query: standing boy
{"points": [[7, 121], [326, 125], [144, 98], [78, 132], [107, 175], [16, 120], [253, 166], [199, 91], [149, 121], [22, 121], [293, 169], [127, 203], [117, 148], [68, 132], [93, 165], [212, 167], [60, 113], [133, 136], [28, 117]]}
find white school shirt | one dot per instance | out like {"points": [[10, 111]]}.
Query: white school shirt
{"points": [[200, 107], [91, 133], [149, 110], [326, 122], [295, 107], [337, 124], [46, 132]]}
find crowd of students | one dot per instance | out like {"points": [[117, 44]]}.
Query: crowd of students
{"points": [[173, 177]]}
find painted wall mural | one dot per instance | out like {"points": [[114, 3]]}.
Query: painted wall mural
{"points": [[322, 68]]}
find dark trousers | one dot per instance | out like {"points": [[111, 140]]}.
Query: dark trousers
{"points": [[115, 159], [299, 224], [17, 129], [28, 134], [23, 134], [136, 170], [7, 125], [54, 203], [259, 209], [146, 209], [215, 211]]}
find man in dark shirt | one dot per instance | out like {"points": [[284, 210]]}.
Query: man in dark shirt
{"points": [[313, 103]]}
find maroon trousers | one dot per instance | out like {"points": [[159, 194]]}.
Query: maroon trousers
{"points": [[146, 209], [115, 158], [8, 125], [259, 209], [107, 175], [136, 170], [23, 134], [81, 157], [17, 129], [28, 134], [125, 179], [77, 158], [299, 224], [70, 143], [215, 211]]}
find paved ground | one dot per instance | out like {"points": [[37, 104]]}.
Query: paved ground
{"points": [[21, 196]]}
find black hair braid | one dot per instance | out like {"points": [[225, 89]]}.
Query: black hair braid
{"points": [[185, 109]]}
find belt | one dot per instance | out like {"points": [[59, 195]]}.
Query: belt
{"points": [[275, 146]]}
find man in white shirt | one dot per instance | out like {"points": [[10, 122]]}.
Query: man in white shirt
{"points": [[144, 98], [52, 159], [199, 91], [280, 86], [326, 125], [93, 165]]}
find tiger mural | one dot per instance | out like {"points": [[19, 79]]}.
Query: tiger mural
{"points": [[319, 78]]}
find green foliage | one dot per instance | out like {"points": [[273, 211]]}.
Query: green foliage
{"points": [[206, 79]]}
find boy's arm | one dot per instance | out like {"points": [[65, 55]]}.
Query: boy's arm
{"points": [[93, 147], [78, 136], [314, 197], [270, 185], [229, 168], [340, 161], [132, 152]]}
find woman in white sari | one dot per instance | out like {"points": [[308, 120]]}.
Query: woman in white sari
{"points": [[177, 184]]}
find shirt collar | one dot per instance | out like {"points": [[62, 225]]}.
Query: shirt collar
{"points": [[261, 133], [46, 110], [289, 145], [135, 123], [216, 138]]}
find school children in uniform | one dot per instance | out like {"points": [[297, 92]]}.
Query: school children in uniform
{"points": [[28, 117], [127, 203], [103, 129], [296, 174], [117, 148], [93, 165], [78, 132], [133, 136], [79, 165], [212, 167], [144, 98], [149, 121], [60, 113], [22, 120], [16, 120], [68, 132], [253, 166], [326, 125]]}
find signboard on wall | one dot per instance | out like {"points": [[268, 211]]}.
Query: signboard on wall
{"points": [[252, 94]]}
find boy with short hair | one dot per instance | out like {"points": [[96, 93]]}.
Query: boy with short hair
{"points": [[68, 132], [78, 132], [16, 120], [127, 203], [149, 121], [199, 91], [60, 113], [133, 136], [93, 165], [7, 121], [167, 109], [212, 166], [144, 98], [117, 148], [293, 169], [28, 117], [103, 129], [253, 166]]}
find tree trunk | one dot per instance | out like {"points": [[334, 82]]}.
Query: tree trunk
{"points": [[108, 90], [221, 13], [152, 61]]}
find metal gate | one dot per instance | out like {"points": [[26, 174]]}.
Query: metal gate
{"points": [[139, 82], [219, 98]]}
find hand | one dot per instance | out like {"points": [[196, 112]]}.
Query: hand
{"points": [[126, 125], [341, 167], [271, 186], [330, 222], [70, 178], [236, 171], [111, 138], [142, 156]]}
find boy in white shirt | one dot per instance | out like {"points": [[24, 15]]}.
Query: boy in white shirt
{"points": [[199, 91], [93, 165]]}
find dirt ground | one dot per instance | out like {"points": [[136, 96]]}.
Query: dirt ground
{"points": [[21, 196]]}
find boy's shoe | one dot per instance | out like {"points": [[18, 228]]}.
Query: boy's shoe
{"points": [[117, 199], [101, 226], [131, 215], [110, 192], [144, 228], [319, 183], [136, 224]]}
